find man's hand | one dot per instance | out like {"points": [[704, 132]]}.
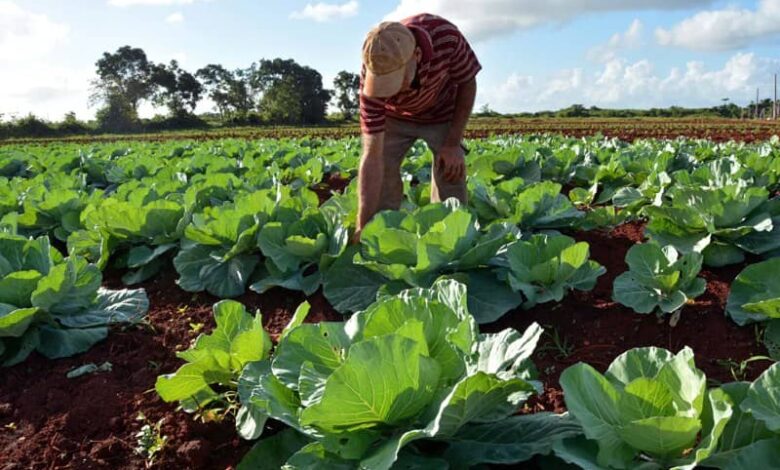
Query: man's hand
{"points": [[451, 160]]}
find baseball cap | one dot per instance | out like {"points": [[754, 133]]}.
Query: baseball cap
{"points": [[386, 51]]}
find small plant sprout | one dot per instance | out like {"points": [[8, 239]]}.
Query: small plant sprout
{"points": [[557, 344], [739, 369], [150, 441]]}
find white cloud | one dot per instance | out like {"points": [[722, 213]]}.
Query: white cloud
{"points": [[175, 18], [489, 18], [726, 29], [561, 83], [29, 82], [738, 79], [322, 12], [27, 35], [631, 38], [622, 84], [130, 3], [46, 90]]}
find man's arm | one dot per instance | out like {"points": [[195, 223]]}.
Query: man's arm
{"points": [[450, 154], [370, 174], [464, 104]]}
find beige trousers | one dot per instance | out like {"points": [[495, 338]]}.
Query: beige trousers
{"points": [[400, 135]]}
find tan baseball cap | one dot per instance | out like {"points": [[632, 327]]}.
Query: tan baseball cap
{"points": [[387, 50]]}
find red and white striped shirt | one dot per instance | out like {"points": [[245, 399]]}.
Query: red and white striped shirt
{"points": [[447, 61]]}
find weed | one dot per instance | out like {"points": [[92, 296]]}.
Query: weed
{"points": [[739, 370], [557, 344], [150, 439]]}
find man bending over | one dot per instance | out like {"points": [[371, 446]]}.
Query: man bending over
{"points": [[418, 81]]}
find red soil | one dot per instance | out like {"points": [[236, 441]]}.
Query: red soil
{"points": [[597, 329], [48, 421], [333, 183], [628, 129]]}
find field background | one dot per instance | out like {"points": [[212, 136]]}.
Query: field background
{"points": [[712, 128]]}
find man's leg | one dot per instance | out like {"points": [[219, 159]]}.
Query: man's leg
{"points": [[441, 189], [398, 141]]}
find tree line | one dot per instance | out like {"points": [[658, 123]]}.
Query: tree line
{"points": [[726, 110], [269, 91], [277, 91]]}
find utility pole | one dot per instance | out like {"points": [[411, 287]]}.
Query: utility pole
{"points": [[755, 115], [774, 104]]}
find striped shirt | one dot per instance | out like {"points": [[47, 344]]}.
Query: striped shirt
{"points": [[447, 61]]}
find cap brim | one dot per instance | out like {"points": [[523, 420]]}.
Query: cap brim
{"points": [[383, 86]]}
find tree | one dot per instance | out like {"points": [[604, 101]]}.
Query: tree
{"points": [[291, 93], [486, 111], [282, 104], [176, 89], [229, 90], [575, 110], [347, 89], [32, 126], [728, 109], [71, 125], [765, 107], [127, 73], [117, 115]]}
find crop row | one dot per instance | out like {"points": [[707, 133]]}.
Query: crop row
{"points": [[627, 129], [133, 206], [410, 365], [410, 382], [241, 215]]}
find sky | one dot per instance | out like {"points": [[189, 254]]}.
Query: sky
{"points": [[535, 54]]}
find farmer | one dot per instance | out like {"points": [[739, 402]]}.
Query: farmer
{"points": [[418, 81]]}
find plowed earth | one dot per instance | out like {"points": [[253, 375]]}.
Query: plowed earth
{"points": [[628, 129], [48, 421]]}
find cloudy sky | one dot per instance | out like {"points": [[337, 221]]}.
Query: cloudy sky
{"points": [[536, 54]]}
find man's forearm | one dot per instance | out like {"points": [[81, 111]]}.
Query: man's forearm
{"points": [[464, 104], [370, 177]]}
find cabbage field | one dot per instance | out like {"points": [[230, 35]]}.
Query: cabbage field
{"points": [[596, 304]]}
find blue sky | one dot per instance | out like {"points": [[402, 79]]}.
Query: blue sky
{"points": [[535, 55]]}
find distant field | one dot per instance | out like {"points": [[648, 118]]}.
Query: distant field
{"points": [[627, 129]]}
